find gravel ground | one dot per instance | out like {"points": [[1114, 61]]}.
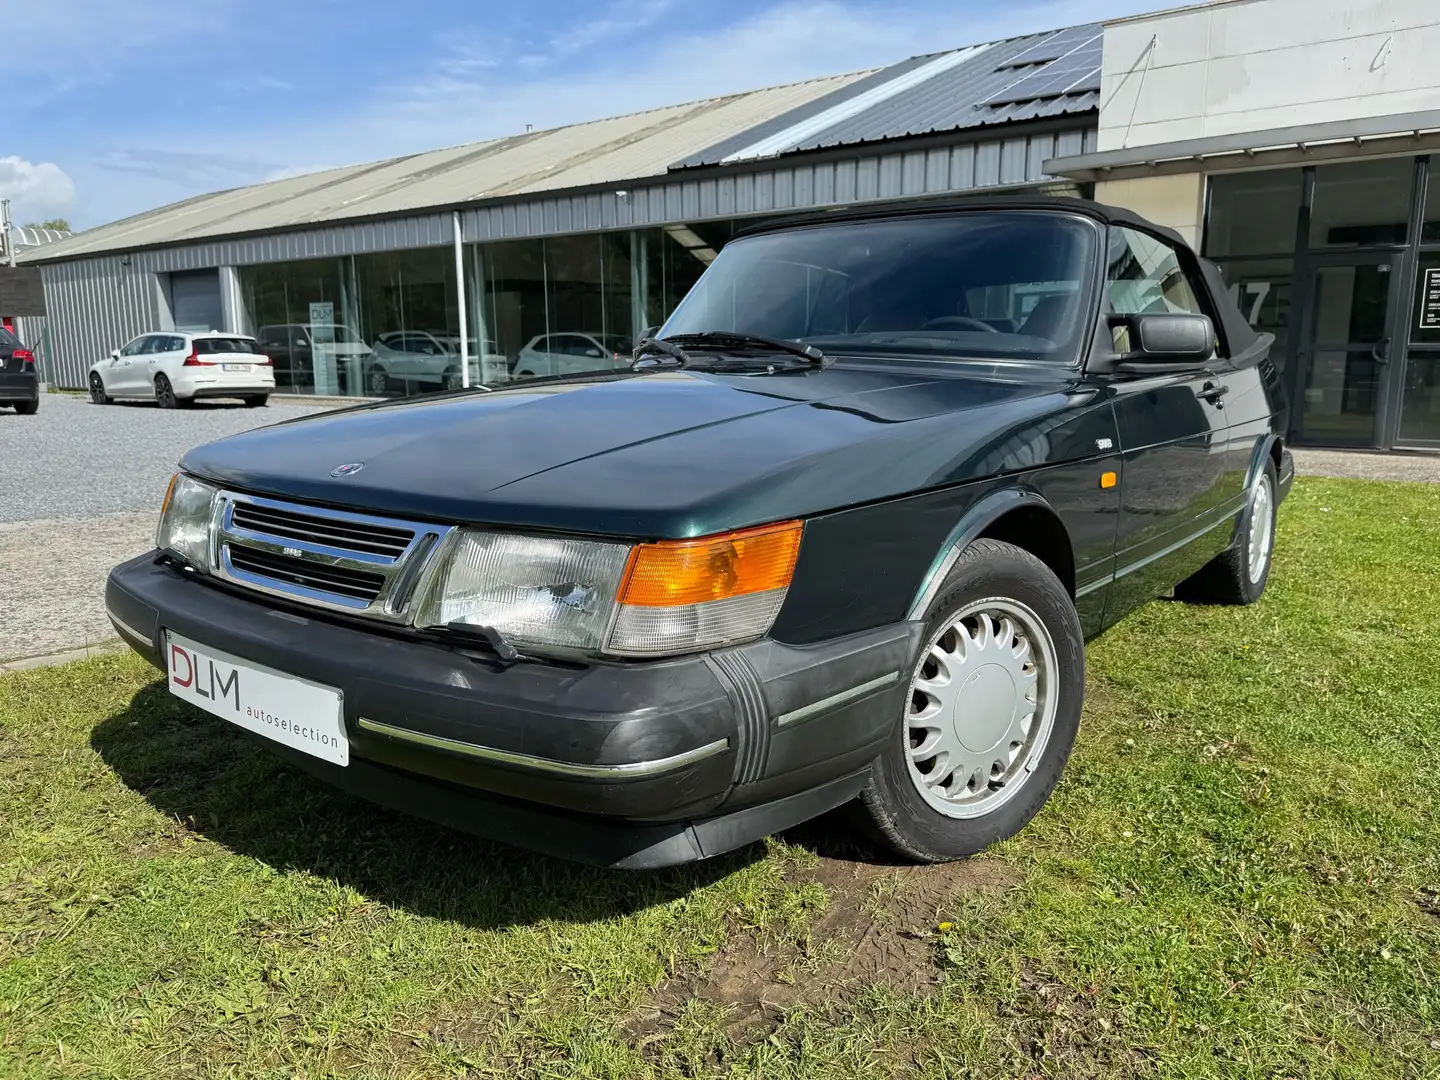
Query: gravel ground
{"points": [[73, 459], [80, 486]]}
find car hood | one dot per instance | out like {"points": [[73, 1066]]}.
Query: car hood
{"points": [[664, 454]]}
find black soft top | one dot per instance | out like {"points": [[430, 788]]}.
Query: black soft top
{"points": [[1237, 333]]}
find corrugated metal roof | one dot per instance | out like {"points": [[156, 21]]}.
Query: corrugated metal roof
{"points": [[615, 150], [955, 90], [949, 91]]}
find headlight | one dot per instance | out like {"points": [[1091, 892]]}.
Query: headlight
{"points": [[185, 520], [652, 599], [533, 590]]}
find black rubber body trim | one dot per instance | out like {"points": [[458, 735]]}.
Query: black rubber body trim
{"points": [[596, 841], [1286, 477], [752, 727]]}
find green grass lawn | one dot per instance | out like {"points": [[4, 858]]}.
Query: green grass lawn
{"points": [[1239, 876]]}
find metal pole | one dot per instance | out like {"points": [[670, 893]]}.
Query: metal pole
{"points": [[464, 315], [8, 227]]}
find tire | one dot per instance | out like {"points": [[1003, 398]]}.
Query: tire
{"points": [[453, 381], [165, 393], [97, 390], [257, 401], [1232, 577], [927, 822], [27, 408], [377, 381]]}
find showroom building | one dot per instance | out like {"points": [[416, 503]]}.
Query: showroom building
{"points": [[1297, 143], [1289, 140], [551, 250]]}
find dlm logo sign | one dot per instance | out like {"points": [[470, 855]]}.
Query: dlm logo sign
{"points": [[183, 674]]}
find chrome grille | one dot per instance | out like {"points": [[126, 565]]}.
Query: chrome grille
{"points": [[372, 539], [356, 584], [326, 558]]}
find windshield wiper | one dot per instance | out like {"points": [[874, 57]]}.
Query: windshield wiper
{"points": [[723, 339], [660, 345]]}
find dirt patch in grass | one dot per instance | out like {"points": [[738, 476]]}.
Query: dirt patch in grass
{"points": [[880, 926]]}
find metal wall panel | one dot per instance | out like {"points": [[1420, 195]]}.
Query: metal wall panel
{"points": [[96, 305], [952, 167]]}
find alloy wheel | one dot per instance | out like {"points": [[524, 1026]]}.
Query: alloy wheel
{"points": [[97, 389], [379, 381], [1262, 529], [981, 708]]}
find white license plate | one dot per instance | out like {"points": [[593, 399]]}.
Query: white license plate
{"points": [[237, 367], [290, 710]]}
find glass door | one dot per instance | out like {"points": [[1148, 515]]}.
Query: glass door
{"points": [[1345, 347], [1420, 402]]}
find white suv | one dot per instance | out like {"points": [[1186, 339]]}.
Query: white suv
{"points": [[176, 369], [573, 354]]}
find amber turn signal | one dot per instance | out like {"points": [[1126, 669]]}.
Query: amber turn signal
{"points": [[169, 494], [674, 573], [1108, 480]]}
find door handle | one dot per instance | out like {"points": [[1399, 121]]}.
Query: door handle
{"points": [[1212, 393], [1381, 352]]}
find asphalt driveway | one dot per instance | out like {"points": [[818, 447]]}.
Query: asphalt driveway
{"points": [[80, 485]]}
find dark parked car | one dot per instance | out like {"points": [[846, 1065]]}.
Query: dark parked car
{"points": [[841, 535], [19, 381]]}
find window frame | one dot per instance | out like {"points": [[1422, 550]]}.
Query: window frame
{"points": [[1189, 263]]}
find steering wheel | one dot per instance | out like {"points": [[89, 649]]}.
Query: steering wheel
{"points": [[958, 322]]}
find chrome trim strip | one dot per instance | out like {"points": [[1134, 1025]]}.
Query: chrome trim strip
{"points": [[1100, 583], [844, 697], [628, 771], [128, 630], [1154, 556]]}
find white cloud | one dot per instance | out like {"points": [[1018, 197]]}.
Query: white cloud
{"points": [[485, 86], [36, 192]]}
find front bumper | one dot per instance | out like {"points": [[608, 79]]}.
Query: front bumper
{"points": [[624, 764], [19, 386]]}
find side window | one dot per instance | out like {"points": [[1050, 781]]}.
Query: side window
{"points": [[175, 344], [157, 343], [1145, 277], [136, 347]]}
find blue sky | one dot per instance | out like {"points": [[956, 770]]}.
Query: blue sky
{"points": [[124, 105]]}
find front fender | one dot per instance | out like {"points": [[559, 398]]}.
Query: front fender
{"points": [[971, 525]]}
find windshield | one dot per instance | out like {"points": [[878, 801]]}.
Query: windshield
{"points": [[991, 284]]}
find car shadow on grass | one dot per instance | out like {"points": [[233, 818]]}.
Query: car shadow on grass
{"points": [[210, 779]]}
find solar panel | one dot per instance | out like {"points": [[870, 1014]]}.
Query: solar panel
{"points": [[1049, 47], [1076, 71]]}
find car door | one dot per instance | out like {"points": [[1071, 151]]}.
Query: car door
{"points": [[126, 374], [1179, 494], [166, 353]]}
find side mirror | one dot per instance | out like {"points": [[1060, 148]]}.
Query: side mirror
{"points": [[114, 354], [594, 353], [1157, 344], [648, 333]]}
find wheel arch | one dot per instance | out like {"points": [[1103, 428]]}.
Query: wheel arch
{"points": [[1017, 516], [1270, 448]]}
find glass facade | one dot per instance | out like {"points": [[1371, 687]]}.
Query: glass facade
{"points": [[1341, 262], [389, 323]]}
